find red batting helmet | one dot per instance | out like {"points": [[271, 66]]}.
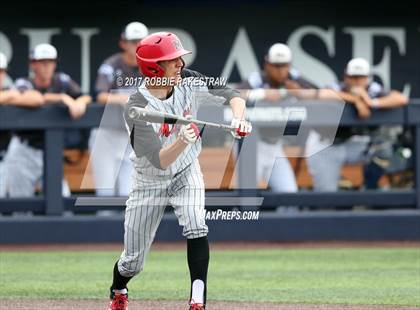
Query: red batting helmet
{"points": [[157, 47]]}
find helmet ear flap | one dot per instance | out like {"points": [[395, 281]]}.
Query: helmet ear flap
{"points": [[151, 69]]}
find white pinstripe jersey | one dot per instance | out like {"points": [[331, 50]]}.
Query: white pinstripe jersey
{"points": [[181, 102], [147, 139]]}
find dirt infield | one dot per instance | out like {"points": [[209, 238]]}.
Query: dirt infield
{"points": [[174, 305]]}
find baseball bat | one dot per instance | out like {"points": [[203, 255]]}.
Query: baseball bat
{"points": [[142, 114]]}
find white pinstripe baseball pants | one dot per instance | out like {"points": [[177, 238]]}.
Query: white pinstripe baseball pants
{"points": [[146, 205]]}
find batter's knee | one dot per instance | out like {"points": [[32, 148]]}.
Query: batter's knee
{"points": [[131, 265], [193, 233]]}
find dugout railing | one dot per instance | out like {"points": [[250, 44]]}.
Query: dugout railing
{"points": [[54, 120]]}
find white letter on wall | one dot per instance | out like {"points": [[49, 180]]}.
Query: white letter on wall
{"points": [[310, 67], [85, 34], [363, 47], [38, 36], [243, 55]]}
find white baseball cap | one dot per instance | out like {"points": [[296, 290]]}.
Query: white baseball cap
{"points": [[135, 31], [3, 62], [358, 67], [279, 54], [43, 52]]}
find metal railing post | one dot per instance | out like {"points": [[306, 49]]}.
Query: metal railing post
{"points": [[417, 164], [53, 171]]}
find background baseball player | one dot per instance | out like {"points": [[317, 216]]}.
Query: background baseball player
{"points": [[10, 96], [24, 158], [350, 144], [7, 96], [167, 170], [109, 151], [273, 84]]}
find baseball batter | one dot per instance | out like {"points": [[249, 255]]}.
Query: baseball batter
{"points": [[167, 170]]}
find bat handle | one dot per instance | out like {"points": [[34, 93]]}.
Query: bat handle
{"points": [[132, 113]]}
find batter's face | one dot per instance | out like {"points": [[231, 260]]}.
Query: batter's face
{"points": [[44, 69], [173, 68], [356, 81], [278, 73]]}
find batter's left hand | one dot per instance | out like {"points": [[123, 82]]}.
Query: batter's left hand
{"points": [[189, 133], [243, 128]]}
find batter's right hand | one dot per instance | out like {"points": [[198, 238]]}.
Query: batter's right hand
{"points": [[243, 128], [189, 133]]}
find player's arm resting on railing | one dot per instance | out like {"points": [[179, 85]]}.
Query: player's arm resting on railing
{"points": [[80, 99], [252, 95], [75, 109], [83, 99], [74, 99], [79, 106], [299, 88], [394, 99], [76, 104], [113, 98], [9, 96], [29, 97], [56, 98], [363, 109]]}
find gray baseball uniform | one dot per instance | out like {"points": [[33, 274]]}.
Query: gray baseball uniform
{"points": [[273, 166], [180, 185], [349, 146]]}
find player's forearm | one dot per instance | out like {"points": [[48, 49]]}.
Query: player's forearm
{"points": [[112, 98], [304, 93], [350, 98], [394, 100], [30, 99], [53, 98], [362, 108], [169, 154], [238, 107], [8, 97], [327, 94], [85, 99]]}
